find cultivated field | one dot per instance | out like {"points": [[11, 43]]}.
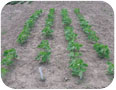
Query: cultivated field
{"points": [[24, 72]]}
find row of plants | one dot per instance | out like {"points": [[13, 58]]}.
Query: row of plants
{"points": [[47, 31], [23, 36], [101, 49], [77, 65], [8, 59], [86, 27], [44, 55]]}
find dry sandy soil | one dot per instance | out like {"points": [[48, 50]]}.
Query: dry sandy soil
{"points": [[24, 72]]}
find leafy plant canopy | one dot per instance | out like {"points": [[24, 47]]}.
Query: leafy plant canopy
{"points": [[23, 36], [102, 50]]}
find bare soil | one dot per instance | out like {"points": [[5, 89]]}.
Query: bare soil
{"points": [[24, 72]]}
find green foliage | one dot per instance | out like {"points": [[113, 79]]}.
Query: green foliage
{"points": [[65, 18], [70, 35], [68, 28], [44, 56], [47, 31], [23, 36], [86, 27], [9, 54], [50, 19], [64, 12], [91, 34], [78, 67], [76, 10], [49, 22], [7, 61], [44, 45], [74, 46], [3, 71], [52, 10], [102, 50], [74, 55], [110, 69]]}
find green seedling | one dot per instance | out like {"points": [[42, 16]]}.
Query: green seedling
{"points": [[52, 10], [65, 18], [74, 46], [47, 31], [92, 35], [9, 56], [3, 71], [44, 45], [44, 56], [10, 52], [70, 35], [51, 16], [77, 10], [68, 28], [78, 67], [102, 50], [30, 23], [7, 61], [67, 21], [74, 55], [22, 38], [110, 69], [64, 12], [49, 22], [50, 19]]}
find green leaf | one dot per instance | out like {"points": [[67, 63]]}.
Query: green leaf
{"points": [[3, 71], [110, 68], [102, 50], [78, 67], [44, 44], [44, 56], [47, 31], [7, 61]]}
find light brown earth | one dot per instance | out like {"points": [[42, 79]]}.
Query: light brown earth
{"points": [[24, 72]]}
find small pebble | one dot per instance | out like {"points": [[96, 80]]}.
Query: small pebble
{"points": [[66, 79]]}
